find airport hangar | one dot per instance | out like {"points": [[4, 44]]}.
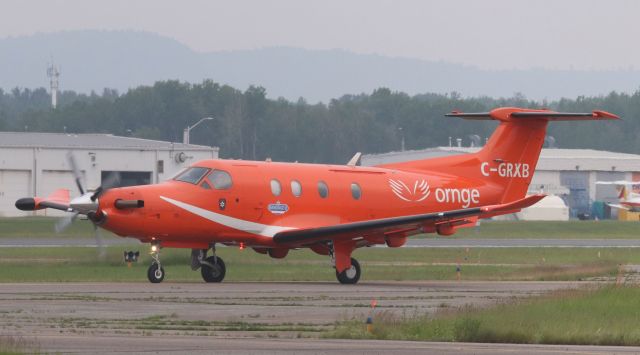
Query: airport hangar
{"points": [[36, 164], [570, 174]]}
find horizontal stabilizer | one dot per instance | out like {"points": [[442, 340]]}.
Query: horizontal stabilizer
{"points": [[619, 182], [510, 113], [58, 200]]}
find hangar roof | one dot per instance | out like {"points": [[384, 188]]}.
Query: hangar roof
{"points": [[550, 158], [88, 141]]}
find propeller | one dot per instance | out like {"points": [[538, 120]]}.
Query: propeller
{"points": [[76, 172], [87, 203], [64, 222]]}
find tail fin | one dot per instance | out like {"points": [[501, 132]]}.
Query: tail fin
{"points": [[510, 156]]}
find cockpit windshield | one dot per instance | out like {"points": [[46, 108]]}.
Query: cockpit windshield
{"points": [[192, 175]]}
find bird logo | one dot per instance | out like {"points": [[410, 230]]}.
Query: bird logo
{"points": [[419, 192]]}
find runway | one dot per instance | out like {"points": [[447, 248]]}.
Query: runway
{"points": [[240, 318], [448, 242], [522, 243]]}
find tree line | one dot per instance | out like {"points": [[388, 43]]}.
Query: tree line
{"points": [[248, 125]]}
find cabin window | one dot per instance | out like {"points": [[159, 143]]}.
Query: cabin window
{"points": [[355, 191], [276, 188], [323, 189], [221, 180], [205, 185], [192, 175], [296, 188]]}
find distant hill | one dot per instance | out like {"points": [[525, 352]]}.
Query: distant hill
{"points": [[93, 60]]}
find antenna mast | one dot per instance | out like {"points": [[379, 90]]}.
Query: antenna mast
{"points": [[53, 73]]}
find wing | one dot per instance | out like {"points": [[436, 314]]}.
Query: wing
{"points": [[622, 207], [620, 183], [356, 230]]}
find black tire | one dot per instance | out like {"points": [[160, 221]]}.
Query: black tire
{"points": [[155, 274], [215, 272], [351, 275]]}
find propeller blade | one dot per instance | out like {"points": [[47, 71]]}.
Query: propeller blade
{"points": [[76, 172], [65, 222], [102, 251], [113, 180]]}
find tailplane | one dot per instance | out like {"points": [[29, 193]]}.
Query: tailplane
{"points": [[510, 156]]}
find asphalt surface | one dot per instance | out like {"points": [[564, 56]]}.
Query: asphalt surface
{"points": [[522, 243], [246, 318]]}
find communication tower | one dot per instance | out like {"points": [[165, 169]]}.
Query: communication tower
{"points": [[53, 73]]}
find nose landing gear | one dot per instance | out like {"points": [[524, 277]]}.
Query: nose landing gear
{"points": [[155, 273]]}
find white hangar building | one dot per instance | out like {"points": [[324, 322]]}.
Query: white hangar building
{"points": [[36, 164], [568, 173]]}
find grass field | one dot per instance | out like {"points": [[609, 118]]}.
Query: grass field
{"points": [[602, 316], [42, 227], [16, 345], [68, 264]]}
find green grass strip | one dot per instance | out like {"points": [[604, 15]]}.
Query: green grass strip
{"points": [[603, 316]]}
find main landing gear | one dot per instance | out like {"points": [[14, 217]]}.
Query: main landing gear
{"points": [[212, 268], [347, 268], [351, 275]]}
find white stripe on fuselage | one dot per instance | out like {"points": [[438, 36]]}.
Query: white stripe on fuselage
{"points": [[235, 223]]}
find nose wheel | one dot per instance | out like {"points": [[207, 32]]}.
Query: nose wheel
{"points": [[155, 273]]}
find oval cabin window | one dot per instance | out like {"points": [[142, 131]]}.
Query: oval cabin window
{"points": [[323, 189], [296, 188], [276, 188]]}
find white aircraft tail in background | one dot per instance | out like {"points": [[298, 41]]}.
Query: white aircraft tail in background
{"points": [[628, 194]]}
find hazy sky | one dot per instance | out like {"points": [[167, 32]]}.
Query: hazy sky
{"points": [[494, 34]]}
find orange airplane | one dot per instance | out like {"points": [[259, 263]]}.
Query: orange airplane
{"points": [[331, 209]]}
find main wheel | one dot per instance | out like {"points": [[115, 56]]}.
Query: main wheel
{"points": [[155, 273], [351, 275], [213, 270]]}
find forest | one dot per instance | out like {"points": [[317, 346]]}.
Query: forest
{"points": [[249, 125]]}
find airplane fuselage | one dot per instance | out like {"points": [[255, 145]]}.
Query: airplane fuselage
{"points": [[267, 197]]}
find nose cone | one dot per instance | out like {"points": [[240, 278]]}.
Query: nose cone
{"points": [[84, 204]]}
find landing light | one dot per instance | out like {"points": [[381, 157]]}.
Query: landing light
{"points": [[154, 248]]}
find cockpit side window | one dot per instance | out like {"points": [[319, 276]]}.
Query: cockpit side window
{"points": [[220, 179], [192, 175]]}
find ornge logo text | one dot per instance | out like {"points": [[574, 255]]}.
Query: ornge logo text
{"points": [[420, 190]]}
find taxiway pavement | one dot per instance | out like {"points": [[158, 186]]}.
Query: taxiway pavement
{"points": [[244, 317]]}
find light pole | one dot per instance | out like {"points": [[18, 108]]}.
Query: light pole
{"points": [[187, 131], [401, 139]]}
